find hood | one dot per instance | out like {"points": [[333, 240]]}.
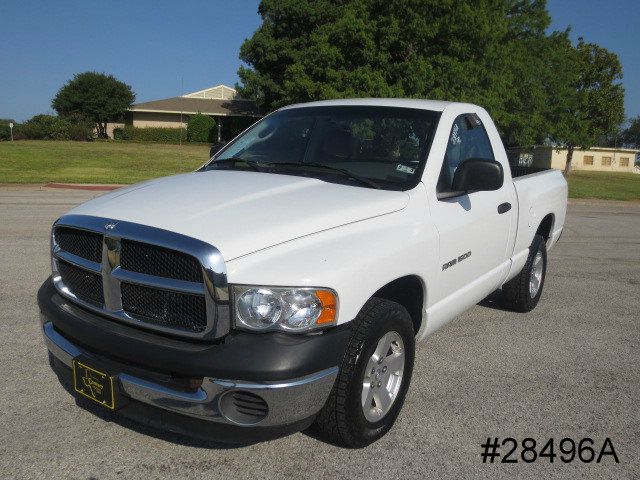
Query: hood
{"points": [[242, 212]]}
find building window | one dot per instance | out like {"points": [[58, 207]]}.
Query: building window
{"points": [[587, 160], [624, 162], [606, 161]]}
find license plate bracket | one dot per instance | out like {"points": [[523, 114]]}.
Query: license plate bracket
{"points": [[94, 382]]}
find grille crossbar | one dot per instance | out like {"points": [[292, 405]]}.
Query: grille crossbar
{"points": [[145, 276]]}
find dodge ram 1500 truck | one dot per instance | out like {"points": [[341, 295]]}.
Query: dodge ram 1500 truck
{"points": [[284, 283]]}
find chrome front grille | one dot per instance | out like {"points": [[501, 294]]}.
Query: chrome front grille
{"points": [[85, 285], [160, 262], [182, 311], [145, 276], [82, 243]]}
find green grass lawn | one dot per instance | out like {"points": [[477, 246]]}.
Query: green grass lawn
{"points": [[34, 161], [604, 185]]}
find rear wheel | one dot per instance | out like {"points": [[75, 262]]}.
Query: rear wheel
{"points": [[374, 377], [523, 292]]}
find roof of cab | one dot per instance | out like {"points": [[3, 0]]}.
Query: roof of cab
{"points": [[434, 105]]}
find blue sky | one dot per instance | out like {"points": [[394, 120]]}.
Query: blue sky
{"points": [[163, 48]]}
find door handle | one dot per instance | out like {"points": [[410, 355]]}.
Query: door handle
{"points": [[504, 207]]}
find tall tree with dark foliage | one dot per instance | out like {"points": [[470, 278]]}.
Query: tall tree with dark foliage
{"points": [[495, 53]]}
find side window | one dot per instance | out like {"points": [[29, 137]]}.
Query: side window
{"points": [[468, 139]]}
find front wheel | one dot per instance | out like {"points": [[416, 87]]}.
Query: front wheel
{"points": [[523, 292], [374, 376]]}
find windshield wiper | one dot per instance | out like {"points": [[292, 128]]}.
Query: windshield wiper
{"points": [[259, 167], [236, 160], [344, 172]]}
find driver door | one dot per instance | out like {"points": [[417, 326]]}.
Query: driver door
{"points": [[473, 231]]}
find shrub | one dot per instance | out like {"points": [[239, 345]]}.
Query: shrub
{"points": [[151, 134], [81, 132], [201, 128], [118, 133], [18, 133], [51, 127], [45, 127]]}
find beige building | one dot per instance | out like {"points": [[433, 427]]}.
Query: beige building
{"points": [[221, 102], [597, 158]]}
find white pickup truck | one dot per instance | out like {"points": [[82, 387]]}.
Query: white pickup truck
{"points": [[284, 283]]}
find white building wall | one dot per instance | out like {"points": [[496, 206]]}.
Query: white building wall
{"points": [[597, 159]]}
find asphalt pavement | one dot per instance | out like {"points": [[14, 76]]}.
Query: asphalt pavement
{"points": [[570, 368]]}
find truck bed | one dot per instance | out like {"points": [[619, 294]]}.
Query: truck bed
{"points": [[540, 191], [520, 171]]}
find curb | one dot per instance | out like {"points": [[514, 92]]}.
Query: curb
{"points": [[603, 202], [83, 186]]}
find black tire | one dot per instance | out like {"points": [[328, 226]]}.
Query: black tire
{"points": [[342, 421], [516, 291]]}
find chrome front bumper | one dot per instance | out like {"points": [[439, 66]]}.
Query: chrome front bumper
{"points": [[288, 401]]}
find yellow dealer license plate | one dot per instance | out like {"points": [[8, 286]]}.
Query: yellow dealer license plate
{"points": [[92, 383]]}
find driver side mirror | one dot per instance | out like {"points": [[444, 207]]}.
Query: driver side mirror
{"points": [[476, 174]]}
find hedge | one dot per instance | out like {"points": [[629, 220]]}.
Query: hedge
{"points": [[52, 127], [151, 134], [200, 128]]}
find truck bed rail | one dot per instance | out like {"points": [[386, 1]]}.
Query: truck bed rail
{"points": [[520, 171]]}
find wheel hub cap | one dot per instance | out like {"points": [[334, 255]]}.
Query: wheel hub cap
{"points": [[535, 280], [383, 377]]}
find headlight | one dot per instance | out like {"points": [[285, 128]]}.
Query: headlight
{"points": [[284, 308]]}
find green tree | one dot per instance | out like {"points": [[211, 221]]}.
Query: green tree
{"points": [[96, 97], [489, 52], [590, 101], [631, 135], [200, 128]]}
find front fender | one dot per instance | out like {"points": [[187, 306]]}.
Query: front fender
{"points": [[355, 260]]}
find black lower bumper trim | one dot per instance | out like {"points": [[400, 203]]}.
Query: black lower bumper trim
{"points": [[261, 357], [146, 416]]}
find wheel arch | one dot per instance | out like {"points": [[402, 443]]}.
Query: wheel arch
{"points": [[410, 292], [546, 226]]}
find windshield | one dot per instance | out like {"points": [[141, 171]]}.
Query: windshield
{"points": [[375, 147]]}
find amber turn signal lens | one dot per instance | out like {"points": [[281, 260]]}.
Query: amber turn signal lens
{"points": [[329, 307]]}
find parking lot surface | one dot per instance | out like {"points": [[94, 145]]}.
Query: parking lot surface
{"points": [[570, 368]]}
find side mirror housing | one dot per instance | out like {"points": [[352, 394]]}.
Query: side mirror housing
{"points": [[477, 174]]}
